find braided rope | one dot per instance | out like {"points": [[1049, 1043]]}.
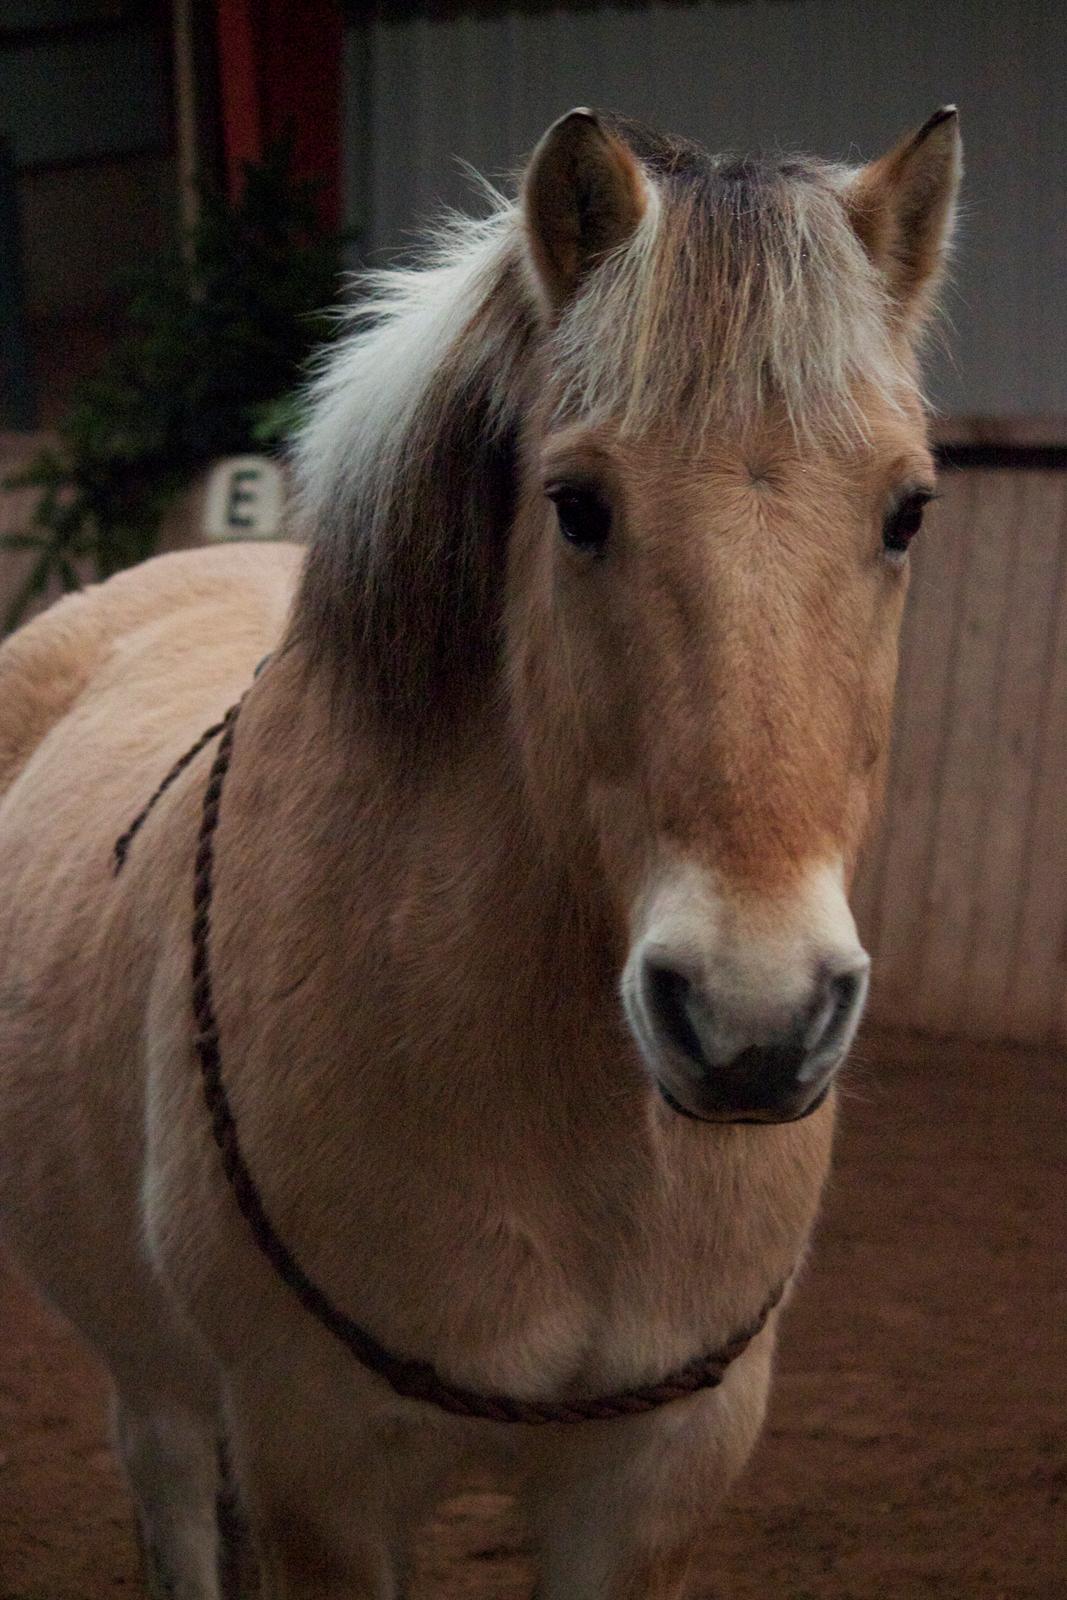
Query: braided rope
{"points": [[123, 843], [416, 1380]]}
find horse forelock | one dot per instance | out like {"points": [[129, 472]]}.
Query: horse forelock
{"points": [[744, 287]]}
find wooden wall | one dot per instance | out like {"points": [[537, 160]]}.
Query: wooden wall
{"points": [[963, 897]]}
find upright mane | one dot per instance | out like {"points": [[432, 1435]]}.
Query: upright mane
{"points": [[744, 287]]}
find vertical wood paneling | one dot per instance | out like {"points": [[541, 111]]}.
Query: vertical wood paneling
{"points": [[1014, 750], [1037, 994], [963, 900], [964, 780]]}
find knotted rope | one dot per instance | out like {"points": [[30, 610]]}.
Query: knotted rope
{"points": [[415, 1380]]}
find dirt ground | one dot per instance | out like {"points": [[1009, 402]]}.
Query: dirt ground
{"points": [[915, 1445]]}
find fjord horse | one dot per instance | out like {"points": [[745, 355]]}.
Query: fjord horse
{"points": [[531, 964]]}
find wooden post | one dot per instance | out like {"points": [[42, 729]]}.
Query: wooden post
{"points": [[197, 114]]}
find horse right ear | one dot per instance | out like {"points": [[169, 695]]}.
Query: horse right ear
{"points": [[583, 196], [903, 208]]}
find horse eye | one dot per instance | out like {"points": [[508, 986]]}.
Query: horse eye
{"points": [[583, 514], [904, 521]]}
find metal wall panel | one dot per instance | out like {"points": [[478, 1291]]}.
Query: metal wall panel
{"points": [[840, 78]]}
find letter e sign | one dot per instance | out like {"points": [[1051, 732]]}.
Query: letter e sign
{"points": [[245, 499]]}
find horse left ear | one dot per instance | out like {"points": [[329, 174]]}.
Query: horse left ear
{"points": [[903, 209], [583, 196]]}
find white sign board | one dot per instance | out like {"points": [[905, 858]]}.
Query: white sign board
{"points": [[245, 499]]}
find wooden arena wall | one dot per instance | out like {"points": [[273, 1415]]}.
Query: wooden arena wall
{"points": [[962, 900]]}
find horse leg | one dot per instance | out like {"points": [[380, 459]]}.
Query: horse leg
{"points": [[169, 1452], [627, 1514], [615, 1537], [238, 1578], [333, 1496]]}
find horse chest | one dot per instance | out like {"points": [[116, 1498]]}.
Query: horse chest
{"points": [[556, 1296]]}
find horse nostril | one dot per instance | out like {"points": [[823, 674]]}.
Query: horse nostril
{"points": [[837, 1013], [667, 993], [736, 1062]]}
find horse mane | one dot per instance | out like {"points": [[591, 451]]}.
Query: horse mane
{"points": [[744, 287], [406, 472]]}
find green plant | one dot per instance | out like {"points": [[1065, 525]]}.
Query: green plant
{"points": [[219, 334]]}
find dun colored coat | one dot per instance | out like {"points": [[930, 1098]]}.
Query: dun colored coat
{"points": [[532, 958]]}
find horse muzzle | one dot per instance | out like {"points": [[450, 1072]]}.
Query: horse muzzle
{"points": [[744, 1005], [705, 1068]]}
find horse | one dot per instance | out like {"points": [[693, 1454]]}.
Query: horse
{"points": [[525, 961]]}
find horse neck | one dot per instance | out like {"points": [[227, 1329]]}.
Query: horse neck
{"points": [[487, 927]]}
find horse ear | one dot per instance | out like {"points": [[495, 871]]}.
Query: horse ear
{"points": [[584, 194], [903, 209]]}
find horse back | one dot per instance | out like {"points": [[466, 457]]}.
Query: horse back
{"points": [[152, 620]]}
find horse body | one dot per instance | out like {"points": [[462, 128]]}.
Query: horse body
{"points": [[102, 685], [431, 875], [555, 1234]]}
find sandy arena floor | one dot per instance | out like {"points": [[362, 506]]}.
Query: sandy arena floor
{"points": [[916, 1439]]}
